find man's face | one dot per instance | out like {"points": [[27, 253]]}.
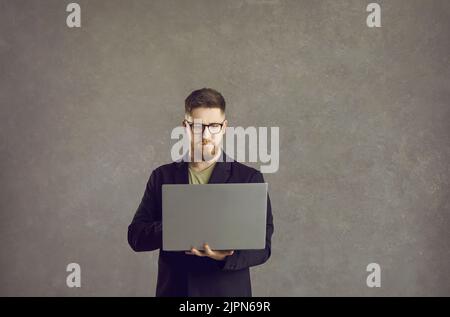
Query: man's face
{"points": [[209, 142]]}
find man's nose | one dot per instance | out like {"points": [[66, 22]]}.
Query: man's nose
{"points": [[206, 133]]}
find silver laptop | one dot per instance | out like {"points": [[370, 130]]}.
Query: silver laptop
{"points": [[226, 216]]}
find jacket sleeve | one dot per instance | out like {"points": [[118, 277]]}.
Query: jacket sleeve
{"points": [[145, 230], [246, 258]]}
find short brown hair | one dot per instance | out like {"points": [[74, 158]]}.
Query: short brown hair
{"points": [[205, 97]]}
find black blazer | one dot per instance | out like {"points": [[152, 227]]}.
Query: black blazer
{"points": [[180, 274]]}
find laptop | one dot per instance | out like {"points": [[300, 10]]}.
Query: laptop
{"points": [[228, 216]]}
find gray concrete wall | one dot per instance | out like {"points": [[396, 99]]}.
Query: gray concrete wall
{"points": [[86, 114]]}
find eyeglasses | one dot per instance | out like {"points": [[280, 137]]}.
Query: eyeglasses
{"points": [[213, 128]]}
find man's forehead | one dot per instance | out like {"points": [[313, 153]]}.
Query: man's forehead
{"points": [[205, 117]]}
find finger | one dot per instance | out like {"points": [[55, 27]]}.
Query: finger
{"points": [[197, 252], [189, 252], [208, 250], [226, 252]]}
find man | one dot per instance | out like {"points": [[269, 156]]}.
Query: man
{"points": [[208, 272]]}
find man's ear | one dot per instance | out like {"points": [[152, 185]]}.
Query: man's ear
{"points": [[225, 125]]}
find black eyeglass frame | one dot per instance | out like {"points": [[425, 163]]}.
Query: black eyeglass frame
{"points": [[191, 124]]}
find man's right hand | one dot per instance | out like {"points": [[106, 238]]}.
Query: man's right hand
{"points": [[216, 255]]}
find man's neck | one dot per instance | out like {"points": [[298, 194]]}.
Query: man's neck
{"points": [[200, 166]]}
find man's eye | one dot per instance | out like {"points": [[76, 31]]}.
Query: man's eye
{"points": [[215, 125]]}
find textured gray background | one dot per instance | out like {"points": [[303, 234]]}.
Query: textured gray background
{"points": [[364, 134]]}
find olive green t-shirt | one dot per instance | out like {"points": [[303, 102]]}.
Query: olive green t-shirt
{"points": [[201, 177]]}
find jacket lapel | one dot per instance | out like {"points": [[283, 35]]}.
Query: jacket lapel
{"points": [[182, 173], [222, 171]]}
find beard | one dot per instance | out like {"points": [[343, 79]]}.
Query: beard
{"points": [[209, 150], [204, 150]]}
